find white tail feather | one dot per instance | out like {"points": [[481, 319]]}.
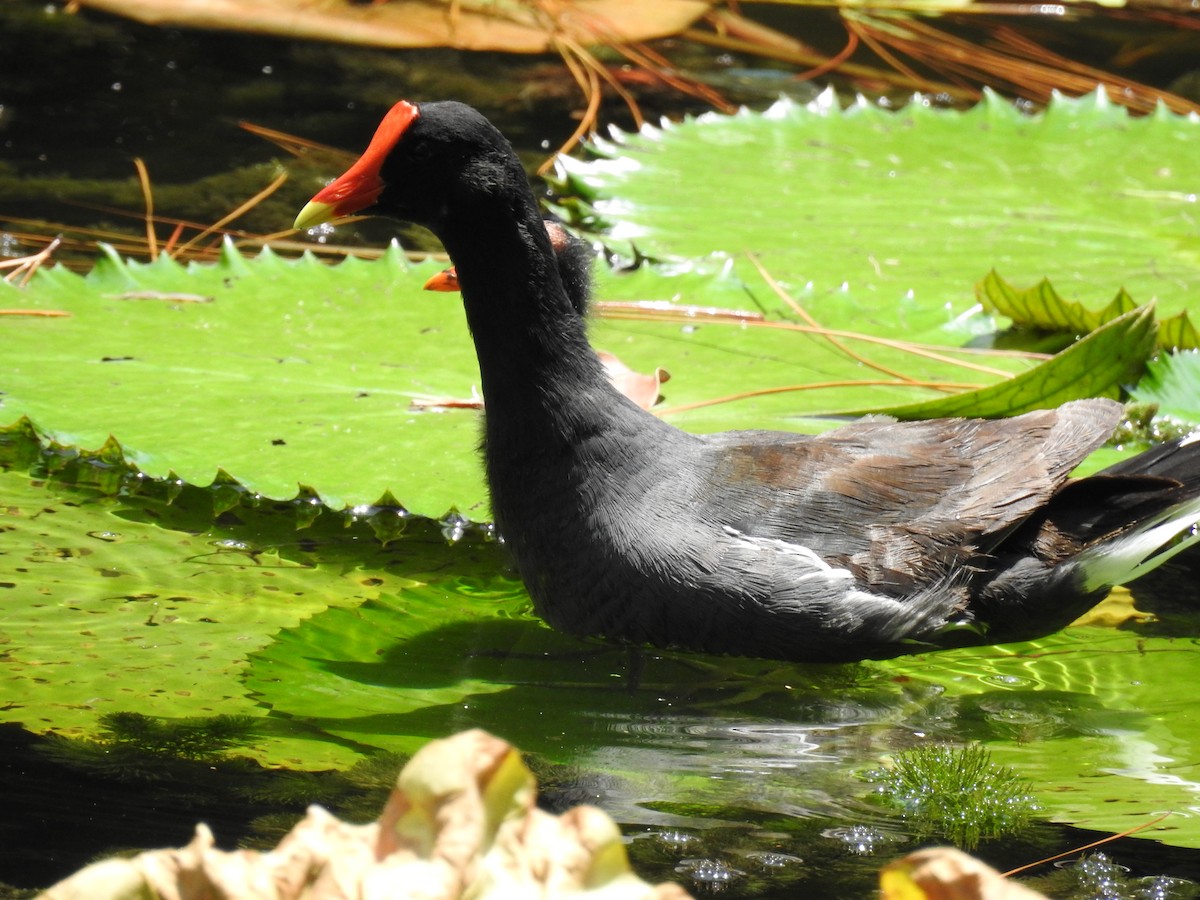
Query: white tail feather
{"points": [[1133, 555]]}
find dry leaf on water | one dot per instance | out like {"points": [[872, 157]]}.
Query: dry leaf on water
{"points": [[504, 25], [641, 389]]}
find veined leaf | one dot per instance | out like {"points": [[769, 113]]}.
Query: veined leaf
{"points": [[1042, 307], [1099, 365]]}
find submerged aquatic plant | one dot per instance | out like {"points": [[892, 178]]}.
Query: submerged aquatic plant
{"points": [[1097, 876], [138, 748], [955, 793]]}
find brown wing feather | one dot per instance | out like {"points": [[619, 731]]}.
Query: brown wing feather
{"points": [[899, 504]]}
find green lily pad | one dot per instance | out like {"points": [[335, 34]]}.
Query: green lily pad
{"points": [[285, 375], [137, 605], [273, 374], [334, 645], [908, 208], [279, 373]]}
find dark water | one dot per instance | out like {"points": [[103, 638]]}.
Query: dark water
{"points": [[83, 95]]}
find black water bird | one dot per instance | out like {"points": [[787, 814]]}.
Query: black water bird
{"points": [[872, 540]]}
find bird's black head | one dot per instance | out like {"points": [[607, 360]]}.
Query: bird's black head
{"points": [[425, 163]]}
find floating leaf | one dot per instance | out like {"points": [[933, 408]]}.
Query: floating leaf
{"points": [[1099, 365], [298, 375], [295, 374], [920, 200], [150, 608], [335, 647], [1041, 307], [1172, 382], [302, 376]]}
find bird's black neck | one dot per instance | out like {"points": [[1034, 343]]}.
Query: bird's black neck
{"points": [[535, 362]]}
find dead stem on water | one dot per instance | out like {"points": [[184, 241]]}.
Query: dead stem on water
{"points": [[657, 312], [238, 212], [290, 143], [729, 30], [186, 239], [1104, 840], [148, 197], [591, 74], [799, 310], [1006, 60], [922, 350], [23, 268], [922, 57], [813, 386]]}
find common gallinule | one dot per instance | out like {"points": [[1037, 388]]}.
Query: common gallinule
{"points": [[872, 540], [573, 255]]}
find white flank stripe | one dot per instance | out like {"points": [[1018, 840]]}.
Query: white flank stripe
{"points": [[1133, 555]]}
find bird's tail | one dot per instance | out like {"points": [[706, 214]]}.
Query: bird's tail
{"points": [[1153, 538]]}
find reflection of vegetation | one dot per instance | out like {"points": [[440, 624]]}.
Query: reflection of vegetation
{"points": [[134, 747], [187, 766], [957, 794], [181, 739]]}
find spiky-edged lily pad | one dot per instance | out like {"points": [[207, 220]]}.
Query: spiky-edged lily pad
{"points": [[1041, 307], [145, 606], [333, 646], [284, 375], [280, 374], [909, 208]]}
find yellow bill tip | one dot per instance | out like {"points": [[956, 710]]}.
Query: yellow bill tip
{"points": [[315, 213]]}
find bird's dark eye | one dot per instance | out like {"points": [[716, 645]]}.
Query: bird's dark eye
{"points": [[422, 151]]}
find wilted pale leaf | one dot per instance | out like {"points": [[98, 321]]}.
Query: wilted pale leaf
{"points": [[505, 25], [461, 822], [943, 873]]}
